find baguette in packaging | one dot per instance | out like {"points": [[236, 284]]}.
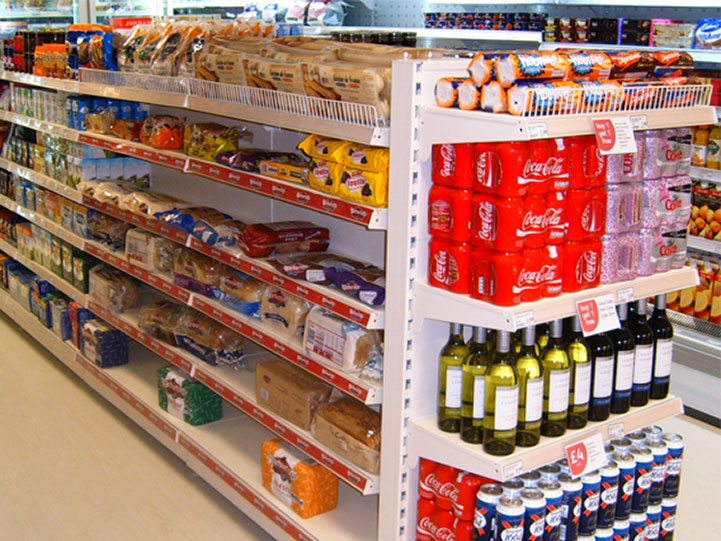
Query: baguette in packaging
{"points": [[220, 67], [352, 430], [273, 74], [239, 291]]}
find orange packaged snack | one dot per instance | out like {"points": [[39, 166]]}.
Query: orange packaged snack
{"points": [[297, 480], [162, 131]]}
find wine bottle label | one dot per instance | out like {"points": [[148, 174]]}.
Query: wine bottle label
{"points": [[506, 415], [624, 370], [454, 384], [558, 387], [664, 352], [582, 384], [479, 396], [643, 364], [534, 400], [603, 377]]}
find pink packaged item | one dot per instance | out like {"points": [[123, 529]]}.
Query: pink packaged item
{"points": [[674, 247], [634, 206], [609, 259], [654, 256], [678, 203], [628, 256], [654, 210], [622, 168], [652, 148]]}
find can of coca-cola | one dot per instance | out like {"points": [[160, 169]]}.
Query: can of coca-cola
{"points": [[426, 473], [449, 213], [443, 521], [555, 217], [499, 169], [581, 265], [452, 165], [586, 165], [467, 485], [448, 265], [494, 276], [553, 261], [425, 528], [462, 530], [444, 487], [496, 221], [533, 226]]}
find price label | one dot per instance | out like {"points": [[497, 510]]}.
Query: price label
{"points": [[513, 470], [586, 455], [597, 315], [538, 130], [624, 295], [523, 319], [616, 431], [614, 135]]}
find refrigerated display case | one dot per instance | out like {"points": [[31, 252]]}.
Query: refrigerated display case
{"points": [[42, 12]]}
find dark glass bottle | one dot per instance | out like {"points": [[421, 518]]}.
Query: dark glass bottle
{"points": [[556, 382], [623, 352], [501, 401], [472, 401], [530, 382], [450, 380], [601, 376], [579, 356], [662, 348], [643, 356]]}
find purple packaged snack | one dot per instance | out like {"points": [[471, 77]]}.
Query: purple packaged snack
{"points": [[367, 284], [634, 206], [616, 208], [652, 148], [193, 285], [244, 160], [628, 256], [655, 196], [609, 259]]}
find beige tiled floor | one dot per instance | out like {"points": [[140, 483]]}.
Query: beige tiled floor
{"points": [[73, 467]]}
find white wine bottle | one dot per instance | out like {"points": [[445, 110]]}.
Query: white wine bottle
{"points": [[556, 382], [474, 384], [579, 356], [501, 401], [530, 382], [450, 380]]}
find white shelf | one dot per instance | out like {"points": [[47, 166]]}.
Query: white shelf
{"points": [[35, 14], [704, 244], [426, 440], [699, 55], [238, 388], [41, 125], [436, 33], [225, 453], [434, 303], [704, 173], [41, 180]]}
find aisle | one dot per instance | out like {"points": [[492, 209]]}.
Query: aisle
{"points": [[74, 467]]}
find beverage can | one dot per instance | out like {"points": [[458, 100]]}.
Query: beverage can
{"points": [[464, 505], [581, 265], [644, 464], [589, 503], [449, 213], [426, 476], [532, 275], [586, 166], [509, 519], [452, 165], [621, 530], [652, 140], [549, 472], [534, 520], [570, 505], [637, 438], [496, 221], [608, 495], [499, 169], [494, 275], [512, 488], [674, 458], [443, 520], [530, 478], [659, 450], [547, 166], [563, 464], [552, 275], [604, 534], [585, 213], [554, 508], [535, 221], [449, 265], [668, 519], [444, 486], [637, 527], [484, 518], [555, 217], [653, 522], [626, 482], [425, 529], [463, 529], [653, 432]]}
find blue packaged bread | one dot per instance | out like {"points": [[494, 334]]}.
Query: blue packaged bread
{"points": [[104, 345]]}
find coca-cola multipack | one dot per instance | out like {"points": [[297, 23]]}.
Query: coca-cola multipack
{"points": [[501, 216]]}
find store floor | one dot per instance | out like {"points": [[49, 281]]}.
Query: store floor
{"points": [[74, 467]]}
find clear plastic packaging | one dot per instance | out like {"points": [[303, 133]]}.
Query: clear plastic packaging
{"points": [[284, 311], [112, 288]]}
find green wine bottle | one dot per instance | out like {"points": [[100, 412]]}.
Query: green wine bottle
{"points": [[450, 380], [556, 383], [542, 335], [530, 382], [579, 356], [474, 385], [501, 401]]}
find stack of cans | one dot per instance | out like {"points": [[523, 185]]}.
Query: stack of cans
{"points": [[633, 497]]}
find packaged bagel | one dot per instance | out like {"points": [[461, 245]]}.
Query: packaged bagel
{"points": [[273, 74], [362, 186], [493, 98], [263, 240], [469, 95], [588, 65]]}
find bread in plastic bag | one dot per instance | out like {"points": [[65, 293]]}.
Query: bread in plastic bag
{"points": [[196, 272], [283, 311], [112, 288]]}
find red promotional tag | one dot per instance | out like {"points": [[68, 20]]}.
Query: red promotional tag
{"points": [[577, 456], [614, 135], [597, 314], [586, 455], [605, 134], [588, 315]]}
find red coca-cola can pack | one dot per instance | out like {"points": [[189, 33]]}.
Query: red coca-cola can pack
{"points": [[586, 165], [448, 265], [426, 476], [449, 213], [495, 222], [582, 265], [586, 213], [453, 164], [465, 504], [425, 527]]}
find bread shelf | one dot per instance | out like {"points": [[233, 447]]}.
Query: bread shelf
{"points": [[238, 388], [705, 245], [434, 303], [704, 173], [226, 454], [426, 440]]}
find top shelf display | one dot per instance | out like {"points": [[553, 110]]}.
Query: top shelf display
{"points": [[699, 55], [350, 121]]}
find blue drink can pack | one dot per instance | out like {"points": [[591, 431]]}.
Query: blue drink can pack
{"points": [[653, 522], [644, 466], [549, 472], [674, 457], [608, 495], [589, 503], [668, 519], [512, 488], [563, 464], [534, 520], [484, 518], [530, 479], [653, 432], [626, 481], [637, 438], [570, 506], [620, 530], [621, 444], [637, 527], [659, 450], [604, 534], [554, 509], [509, 519]]}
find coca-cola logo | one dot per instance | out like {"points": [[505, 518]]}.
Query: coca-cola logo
{"points": [[537, 171], [440, 267], [591, 219], [673, 204], [483, 173], [449, 491], [448, 160], [587, 268], [544, 274], [539, 222], [666, 251], [673, 155], [486, 213], [445, 534], [426, 526]]}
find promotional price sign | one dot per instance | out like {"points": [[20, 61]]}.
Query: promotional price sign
{"points": [[597, 315], [614, 135], [586, 455]]}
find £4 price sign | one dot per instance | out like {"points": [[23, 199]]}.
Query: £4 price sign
{"points": [[586, 455]]}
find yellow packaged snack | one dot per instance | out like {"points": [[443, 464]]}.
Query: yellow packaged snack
{"points": [[322, 148], [367, 158], [321, 178], [362, 186]]}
